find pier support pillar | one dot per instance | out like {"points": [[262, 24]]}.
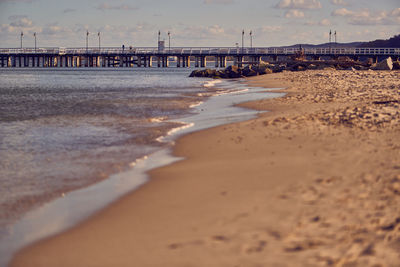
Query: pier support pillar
{"points": [[203, 61], [144, 61], [239, 61], [186, 61], [222, 62], [13, 61], [165, 62]]}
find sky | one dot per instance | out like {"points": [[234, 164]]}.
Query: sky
{"points": [[194, 22]]}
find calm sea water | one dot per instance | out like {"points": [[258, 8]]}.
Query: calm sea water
{"points": [[66, 129]]}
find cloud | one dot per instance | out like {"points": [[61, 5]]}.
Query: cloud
{"points": [[367, 17], [343, 12], [294, 13], [339, 2], [22, 22], [395, 12], [299, 4], [106, 6], [268, 29], [17, 17], [324, 22]]}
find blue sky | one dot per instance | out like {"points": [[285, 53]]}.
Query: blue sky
{"points": [[195, 22]]}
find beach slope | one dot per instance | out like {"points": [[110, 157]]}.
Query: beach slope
{"points": [[314, 182]]}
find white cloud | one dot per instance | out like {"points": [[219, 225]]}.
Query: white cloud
{"points": [[223, 2], [339, 2], [294, 13], [16, 17], [395, 12], [343, 12], [22, 22], [106, 6], [367, 17], [268, 29], [324, 22], [299, 4]]}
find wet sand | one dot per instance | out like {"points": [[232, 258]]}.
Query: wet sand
{"points": [[314, 182]]}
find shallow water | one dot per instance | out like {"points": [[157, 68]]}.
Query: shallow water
{"points": [[64, 130]]}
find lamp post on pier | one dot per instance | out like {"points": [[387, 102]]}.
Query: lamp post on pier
{"points": [[87, 41], [242, 41], [251, 39], [34, 34], [169, 41], [98, 34], [22, 34]]}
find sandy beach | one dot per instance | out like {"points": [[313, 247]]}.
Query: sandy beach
{"points": [[313, 182]]}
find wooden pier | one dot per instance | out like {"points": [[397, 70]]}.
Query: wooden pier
{"points": [[183, 57]]}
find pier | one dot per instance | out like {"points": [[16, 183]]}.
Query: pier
{"points": [[183, 57]]}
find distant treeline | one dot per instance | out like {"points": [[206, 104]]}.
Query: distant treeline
{"points": [[392, 42]]}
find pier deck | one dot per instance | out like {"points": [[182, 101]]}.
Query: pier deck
{"points": [[150, 56]]}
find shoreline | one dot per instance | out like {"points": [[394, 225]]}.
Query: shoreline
{"points": [[275, 190], [39, 223]]}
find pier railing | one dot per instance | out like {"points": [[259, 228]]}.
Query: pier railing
{"points": [[201, 51]]}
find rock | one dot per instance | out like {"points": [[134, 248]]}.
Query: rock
{"points": [[248, 71], [262, 69], [279, 68], [368, 61], [233, 72], [312, 67], [359, 67], [222, 74], [396, 65], [210, 73], [351, 69], [386, 64], [331, 68], [298, 67], [194, 73]]}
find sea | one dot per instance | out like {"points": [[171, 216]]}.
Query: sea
{"points": [[74, 140]]}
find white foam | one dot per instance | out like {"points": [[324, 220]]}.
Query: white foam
{"points": [[157, 119], [211, 83], [137, 161], [163, 138], [196, 104]]}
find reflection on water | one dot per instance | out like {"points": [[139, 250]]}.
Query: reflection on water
{"points": [[65, 129]]}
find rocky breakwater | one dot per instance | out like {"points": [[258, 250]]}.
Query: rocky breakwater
{"points": [[232, 72]]}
